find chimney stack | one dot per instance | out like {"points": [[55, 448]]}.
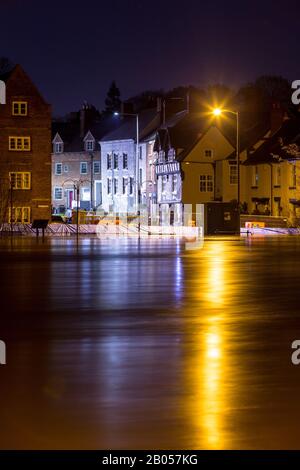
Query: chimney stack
{"points": [[83, 119], [277, 117]]}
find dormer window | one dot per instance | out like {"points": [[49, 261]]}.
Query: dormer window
{"points": [[89, 145], [58, 147]]}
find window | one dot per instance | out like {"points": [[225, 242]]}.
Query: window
{"points": [[20, 180], [141, 176], [206, 183], [124, 185], [171, 155], [131, 185], [115, 185], [233, 173], [108, 186], [108, 161], [174, 183], [19, 143], [85, 194], [66, 168], [19, 215], [89, 145], [83, 168], [58, 147], [58, 193], [255, 176], [208, 153], [277, 175], [293, 175], [116, 165], [96, 168], [19, 108], [161, 156], [164, 182], [125, 161], [58, 168], [140, 153]]}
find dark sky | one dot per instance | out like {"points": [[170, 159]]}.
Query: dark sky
{"points": [[73, 49]]}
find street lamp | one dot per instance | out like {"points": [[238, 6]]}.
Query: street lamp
{"points": [[137, 150], [217, 112]]}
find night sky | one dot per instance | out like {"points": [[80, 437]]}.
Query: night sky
{"points": [[72, 50]]}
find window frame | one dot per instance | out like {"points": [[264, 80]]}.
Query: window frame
{"points": [[21, 209], [19, 139], [81, 166], [87, 142], [211, 153], [23, 174], [94, 164], [62, 193], [206, 181], [58, 164], [19, 106]]}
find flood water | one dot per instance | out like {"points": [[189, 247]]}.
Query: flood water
{"points": [[143, 344]]}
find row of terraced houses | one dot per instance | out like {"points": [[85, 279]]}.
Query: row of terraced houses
{"points": [[177, 158]]}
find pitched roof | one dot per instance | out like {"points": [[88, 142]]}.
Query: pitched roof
{"points": [[69, 131], [6, 69], [272, 150], [148, 120]]}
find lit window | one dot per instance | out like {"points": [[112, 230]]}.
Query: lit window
{"points": [[233, 173], [58, 168], [58, 193], [206, 184], [83, 168], [208, 153], [19, 215], [20, 180], [19, 108], [19, 143], [85, 194], [96, 168]]}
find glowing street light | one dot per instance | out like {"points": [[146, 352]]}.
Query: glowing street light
{"points": [[217, 111]]}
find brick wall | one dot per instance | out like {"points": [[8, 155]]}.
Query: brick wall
{"points": [[36, 125]]}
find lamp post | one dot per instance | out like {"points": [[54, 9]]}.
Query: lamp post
{"points": [[136, 153], [218, 112]]}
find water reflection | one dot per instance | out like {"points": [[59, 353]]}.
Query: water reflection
{"points": [[147, 345]]}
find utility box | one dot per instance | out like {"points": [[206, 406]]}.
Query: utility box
{"points": [[221, 218]]}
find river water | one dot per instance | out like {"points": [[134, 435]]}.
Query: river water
{"points": [[136, 344]]}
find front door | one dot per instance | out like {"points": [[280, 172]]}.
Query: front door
{"points": [[70, 198], [98, 193]]}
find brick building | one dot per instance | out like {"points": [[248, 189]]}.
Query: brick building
{"points": [[25, 148], [76, 162]]}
